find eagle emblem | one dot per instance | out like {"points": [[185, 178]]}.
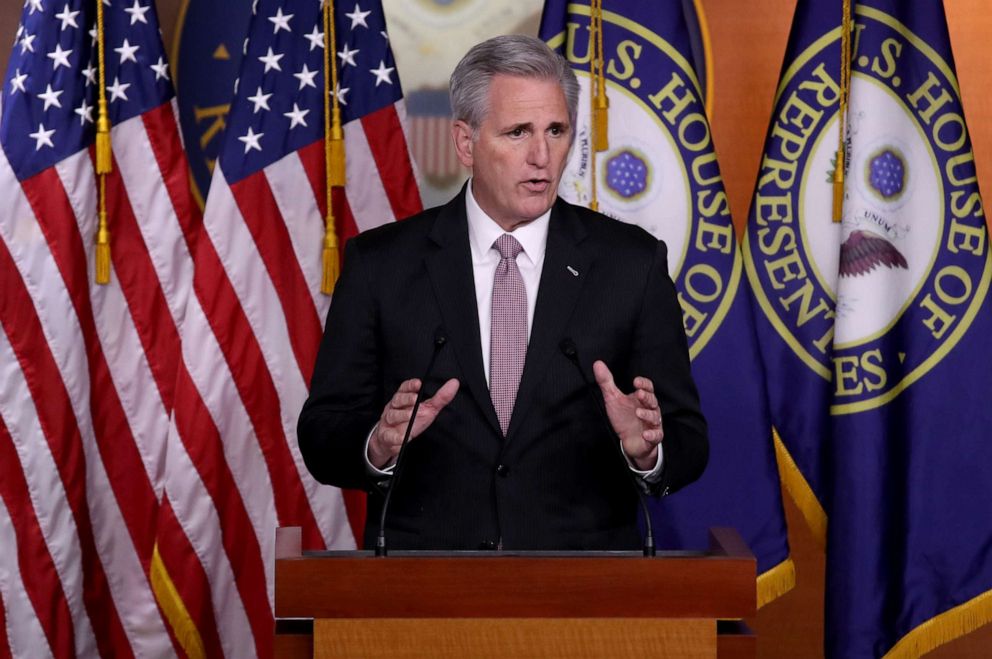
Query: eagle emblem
{"points": [[863, 251]]}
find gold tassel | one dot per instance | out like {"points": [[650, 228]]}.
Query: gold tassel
{"points": [[600, 101], [331, 261], [103, 161], [839, 186], [103, 157], [336, 171], [334, 164], [844, 101], [601, 111], [103, 250]]}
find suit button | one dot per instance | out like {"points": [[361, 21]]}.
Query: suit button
{"points": [[487, 545], [503, 470]]}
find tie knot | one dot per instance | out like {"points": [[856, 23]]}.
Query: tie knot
{"points": [[508, 247]]}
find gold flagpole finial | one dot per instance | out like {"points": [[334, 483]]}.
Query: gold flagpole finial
{"points": [[845, 94], [333, 152], [103, 156]]}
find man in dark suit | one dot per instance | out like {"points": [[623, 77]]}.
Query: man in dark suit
{"points": [[522, 301]]}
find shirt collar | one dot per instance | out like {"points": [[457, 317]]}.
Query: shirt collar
{"points": [[483, 231]]}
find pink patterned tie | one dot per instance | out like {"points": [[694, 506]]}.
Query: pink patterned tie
{"points": [[508, 332]]}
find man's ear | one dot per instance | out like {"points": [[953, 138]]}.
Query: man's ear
{"points": [[461, 135]]}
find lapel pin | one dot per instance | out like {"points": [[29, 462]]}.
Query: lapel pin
{"points": [[575, 273]]}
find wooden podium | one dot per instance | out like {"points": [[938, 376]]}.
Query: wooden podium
{"points": [[514, 604]]}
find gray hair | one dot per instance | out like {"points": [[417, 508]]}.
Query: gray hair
{"points": [[513, 55]]}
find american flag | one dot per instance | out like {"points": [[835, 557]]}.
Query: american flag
{"points": [[252, 328], [87, 371]]}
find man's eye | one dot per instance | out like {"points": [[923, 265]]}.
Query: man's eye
{"points": [[517, 132], [556, 131]]}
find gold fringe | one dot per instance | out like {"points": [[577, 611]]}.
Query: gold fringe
{"points": [[102, 266], [776, 582], [839, 187], [103, 161], [334, 156], [331, 261], [174, 608], [601, 116], [103, 157], [800, 491], [336, 172], [944, 628]]}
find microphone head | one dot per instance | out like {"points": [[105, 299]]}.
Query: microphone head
{"points": [[440, 337], [568, 348]]}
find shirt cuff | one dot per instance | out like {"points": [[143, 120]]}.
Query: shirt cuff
{"points": [[653, 475], [371, 468]]}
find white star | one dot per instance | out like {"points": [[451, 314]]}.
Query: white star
{"points": [[161, 69], [306, 76], [35, 6], [251, 139], [127, 52], [67, 17], [90, 73], [340, 92], [60, 57], [384, 35], [137, 13], [117, 90], [280, 21], [316, 38], [93, 33], [260, 100], [42, 137], [17, 82], [358, 17], [50, 97], [348, 56], [254, 8], [382, 73], [271, 61], [296, 117], [237, 81], [27, 42], [85, 113]]}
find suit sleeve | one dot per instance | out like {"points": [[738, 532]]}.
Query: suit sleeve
{"points": [[346, 397], [661, 353]]}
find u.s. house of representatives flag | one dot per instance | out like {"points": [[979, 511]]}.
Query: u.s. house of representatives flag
{"points": [[875, 328], [234, 472], [660, 172], [87, 371]]}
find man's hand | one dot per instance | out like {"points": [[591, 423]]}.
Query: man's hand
{"points": [[388, 436], [635, 417]]}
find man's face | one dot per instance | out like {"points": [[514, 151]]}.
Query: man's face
{"points": [[520, 151]]}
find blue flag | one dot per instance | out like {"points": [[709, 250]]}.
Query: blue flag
{"points": [[874, 328], [660, 172]]}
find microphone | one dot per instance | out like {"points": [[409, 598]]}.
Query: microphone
{"points": [[440, 338], [568, 349]]}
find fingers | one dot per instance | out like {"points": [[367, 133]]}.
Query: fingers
{"points": [[443, 396], [604, 377]]}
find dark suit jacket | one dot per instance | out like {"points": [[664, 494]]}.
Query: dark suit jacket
{"points": [[556, 481]]}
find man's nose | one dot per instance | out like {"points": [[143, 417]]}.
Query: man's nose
{"points": [[539, 153]]}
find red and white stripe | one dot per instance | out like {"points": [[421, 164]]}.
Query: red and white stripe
{"points": [[89, 375], [250, 336]]}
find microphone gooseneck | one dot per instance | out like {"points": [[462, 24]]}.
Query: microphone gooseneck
{"points": [[568, 349], [380, 542]]}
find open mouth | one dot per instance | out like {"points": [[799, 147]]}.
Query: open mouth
{"points": [[537, 184]]}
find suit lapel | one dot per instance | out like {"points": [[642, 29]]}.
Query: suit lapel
{"points": [[562, 278], [450, 270]]}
